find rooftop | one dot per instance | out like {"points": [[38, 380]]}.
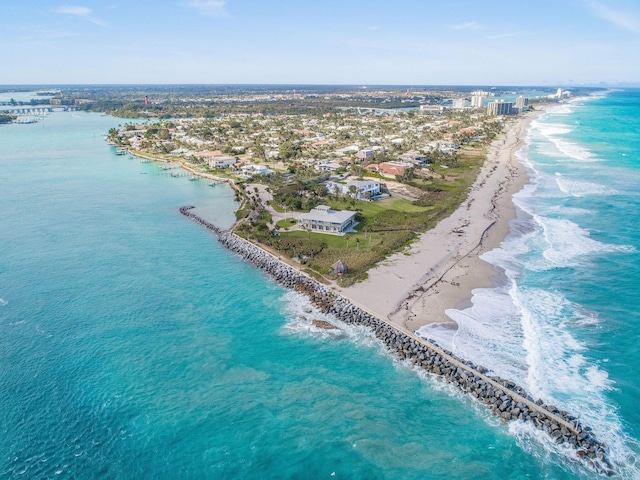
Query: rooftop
{"points": [[323, 213]]}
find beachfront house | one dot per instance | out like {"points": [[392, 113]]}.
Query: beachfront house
{"points": [[389, 169], [221, 161], [324, 220], [251, 170], [414, 157], [358, 189]]}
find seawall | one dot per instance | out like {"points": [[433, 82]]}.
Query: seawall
{"points": [[502, 397]]}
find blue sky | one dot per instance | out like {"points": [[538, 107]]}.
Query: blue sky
{"points": [[406, 42]]}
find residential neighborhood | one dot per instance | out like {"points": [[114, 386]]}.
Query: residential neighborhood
{"points": [[332, 181]]}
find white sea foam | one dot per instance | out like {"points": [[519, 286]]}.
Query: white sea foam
{"points": [[569, 211], [540, 445], [579, 188], [568, 244], [562, 109], [300, 313], [525, 335], [553, 128], [3, 302], [573, 150], [554, 132]]}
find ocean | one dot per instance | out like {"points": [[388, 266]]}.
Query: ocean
{"points": [[563, 319], [132, 345]]}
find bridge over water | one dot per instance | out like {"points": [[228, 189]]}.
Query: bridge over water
{"points": [[26, 110]]}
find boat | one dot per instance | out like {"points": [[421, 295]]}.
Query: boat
{"points": [[213, 184], [121, 150], [193, 179]]}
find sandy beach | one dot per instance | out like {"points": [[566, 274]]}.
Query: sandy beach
{"points": [[415, 287]]}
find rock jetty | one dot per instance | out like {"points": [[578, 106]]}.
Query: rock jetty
{"points": [[502, 397]]}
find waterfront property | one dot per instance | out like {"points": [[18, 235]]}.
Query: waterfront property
{"points": [[358, 189], [324, 220], [222, 161], [413, 157], [500, 107], [256, 170], [389, 169]]}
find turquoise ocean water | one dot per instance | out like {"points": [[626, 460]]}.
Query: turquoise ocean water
{"points": [[133, 346], [564, 320]]}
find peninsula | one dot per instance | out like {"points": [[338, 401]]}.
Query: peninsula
{"points": [[420, 191]]}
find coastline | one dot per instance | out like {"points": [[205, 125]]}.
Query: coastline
{"points": [[189, 169], [414, 288]]}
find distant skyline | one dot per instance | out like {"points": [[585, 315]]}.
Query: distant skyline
{"points": [[565, 42]]}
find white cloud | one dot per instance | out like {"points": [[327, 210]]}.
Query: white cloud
{"points": [[466, 26], [80, 12], [71, 10], [212, 8], [623, 20]]}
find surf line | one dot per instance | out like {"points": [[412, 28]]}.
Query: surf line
{"points": [[502, 397]]}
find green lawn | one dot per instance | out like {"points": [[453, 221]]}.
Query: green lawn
{"points": [[370, 209], [353, 241], [286, 223]]}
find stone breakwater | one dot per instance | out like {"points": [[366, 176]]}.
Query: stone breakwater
{"points": [[502, 397], [210, 226]]}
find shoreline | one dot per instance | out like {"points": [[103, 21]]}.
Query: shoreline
{"points": [[414, 288], [189, 169]]}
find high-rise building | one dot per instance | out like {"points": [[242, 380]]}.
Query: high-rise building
{"points": [[460, 103], [522, 102], [478, 97], [477, 101], [500, 107]]}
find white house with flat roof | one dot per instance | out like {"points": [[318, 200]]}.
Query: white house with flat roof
{"points": [[363, 188], [324, 220], [256, 170], [326, 166], [222, 161]]}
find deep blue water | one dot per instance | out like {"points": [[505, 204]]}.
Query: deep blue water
{"points": [[133, 346]]}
